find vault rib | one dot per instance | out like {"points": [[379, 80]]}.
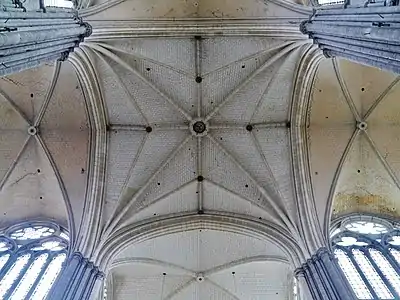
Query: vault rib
{"points": [[162, 287], [141, 77], [126, 181], [179, 289], [198, 75], [249, 57], [14, 163], [243, 261], [345, 91], [222, 288], [15, 107], [166, 127], [243, 126], [262, 95], [200, 187], [337, 174], [259, 149], [381, 97], [71, 222], [130, 127], [110, 47], [122, 84], [262, 190], [151, 261], [255, 203], [383, 160], [159, 127], [120, 215], [158, 199], [270, 125], [262, 68], [49, 94]]}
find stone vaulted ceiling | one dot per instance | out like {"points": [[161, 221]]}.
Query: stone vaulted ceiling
{"points": [[191, 173], [180, 267], [198, 125], [43, 146], [354, 140], [180, 137]]}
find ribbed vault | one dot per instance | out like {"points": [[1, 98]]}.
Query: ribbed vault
{"points": [[156, 90], [353, 140], [181, 144], [44, 146], [102, 10], [201, 264]]}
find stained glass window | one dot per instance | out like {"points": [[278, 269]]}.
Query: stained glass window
{"points": [[352, 275], [386, 268], [31, 257], [396, 254], [368, 253]]}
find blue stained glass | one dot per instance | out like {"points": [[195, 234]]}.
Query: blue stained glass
{"points": [[48, 278], [396, 255], [386, 269], [29, 278], [13, 274], [21, 279], [373, 277], [351, 273], [3, 260], [369, 244]]}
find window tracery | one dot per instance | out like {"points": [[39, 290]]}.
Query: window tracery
{"points": [[31, 257], [368, 252]]}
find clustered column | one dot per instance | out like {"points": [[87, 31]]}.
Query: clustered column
{"points": [[32, 34], [367, 32], [321, 279], [77, 281]]}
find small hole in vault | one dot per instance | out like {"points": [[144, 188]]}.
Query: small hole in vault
{"points": [[38, 170], [247, 185], [362, 89], [358, 171], [147, 69]]}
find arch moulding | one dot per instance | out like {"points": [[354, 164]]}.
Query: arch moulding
{"points": [[150, 229]]}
